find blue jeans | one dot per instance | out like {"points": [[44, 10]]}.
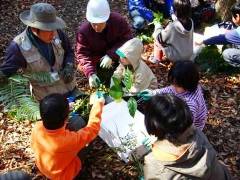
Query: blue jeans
{"points": [[232, 56]]}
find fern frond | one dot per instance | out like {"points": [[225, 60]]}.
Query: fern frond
{"points": [[17, 99], [42, 77]]}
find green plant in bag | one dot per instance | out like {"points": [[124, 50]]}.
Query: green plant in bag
{"points": [[117, 93], [132, 106], [128, 79]]}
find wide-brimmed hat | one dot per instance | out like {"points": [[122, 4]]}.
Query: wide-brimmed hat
{"points": [[42, 16]]}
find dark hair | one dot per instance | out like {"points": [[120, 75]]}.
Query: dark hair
{"points": [[235, 9], [54, 110], [183, 9], [167, 117], [184, 74]]}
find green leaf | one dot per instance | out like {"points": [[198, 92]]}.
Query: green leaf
{"points": [[158, 17], [43, 77], [17, 99], [128, 79], [132, 106], [116, 92], [145, 38], [116, 81]]}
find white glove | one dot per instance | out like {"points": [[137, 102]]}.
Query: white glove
{"points": [[157, 29], [174, 17], [94, 81], [106, 62]]}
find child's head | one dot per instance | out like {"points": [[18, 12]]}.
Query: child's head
{"points": [[235, 10], [130, 52], [183, 9], [184, 74], [167, 117], [54, 111]]}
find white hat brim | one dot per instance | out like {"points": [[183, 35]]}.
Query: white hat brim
{"points": [[92, 19]]}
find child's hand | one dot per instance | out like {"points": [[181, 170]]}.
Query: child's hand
{"points": [[149, 141], [97, 97], [199, 43], [145, 94]]}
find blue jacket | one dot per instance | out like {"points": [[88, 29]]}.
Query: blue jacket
{"points": [[140, 6], [230, 37], [146, 8]]}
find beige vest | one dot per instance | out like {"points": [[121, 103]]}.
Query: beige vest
{"points": [[37, 63]]}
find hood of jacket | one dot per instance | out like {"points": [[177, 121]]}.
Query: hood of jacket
{"points": [[198, 160], [132, 50], [179, 27]]}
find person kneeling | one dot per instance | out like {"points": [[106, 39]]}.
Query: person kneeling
{"points": [[181, 151], [130, 58], [55, 147]]}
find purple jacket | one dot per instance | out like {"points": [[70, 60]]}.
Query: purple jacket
{"points": [[195, 102], [91, 46]]}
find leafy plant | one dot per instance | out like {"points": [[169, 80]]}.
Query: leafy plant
{"points": [[146, 35], [17, 100], [43, 77], [211, 61], [132, 106], [82, 107], [145, 38], [128, 79], [158, 18], [117, 93]]}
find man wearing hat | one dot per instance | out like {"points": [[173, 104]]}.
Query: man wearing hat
{"points": [[98, 39], [41, 47]]}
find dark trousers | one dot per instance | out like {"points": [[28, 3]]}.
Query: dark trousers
{"points": [[105, 74]]}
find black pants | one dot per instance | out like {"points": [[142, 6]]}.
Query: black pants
{"points": [[105, 74]]}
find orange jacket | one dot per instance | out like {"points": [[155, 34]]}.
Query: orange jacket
{"points": [[56, 151]]}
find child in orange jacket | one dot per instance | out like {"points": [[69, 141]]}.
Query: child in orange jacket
{"points": [[55, 147]]}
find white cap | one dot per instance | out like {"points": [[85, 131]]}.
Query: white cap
{"points": [[98, 11]]}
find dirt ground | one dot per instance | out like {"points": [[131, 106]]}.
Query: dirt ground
{"points": [[222, 128]]}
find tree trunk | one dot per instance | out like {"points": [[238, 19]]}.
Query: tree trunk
{"points": [[223, 9]]}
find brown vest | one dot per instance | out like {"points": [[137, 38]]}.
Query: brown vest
{"points": [[37, 63]]}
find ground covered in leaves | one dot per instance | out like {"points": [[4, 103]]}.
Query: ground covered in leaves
{"points": [[222, 128]]}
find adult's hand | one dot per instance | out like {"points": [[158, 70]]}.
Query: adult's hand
{"points": [[94, 81], [106, 62], [67, 73]]}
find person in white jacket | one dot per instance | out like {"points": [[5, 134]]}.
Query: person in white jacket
{"points": [[130, 57]]}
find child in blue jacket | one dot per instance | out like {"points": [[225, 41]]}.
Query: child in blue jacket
{"points": [[141, 11], [232, 37]]}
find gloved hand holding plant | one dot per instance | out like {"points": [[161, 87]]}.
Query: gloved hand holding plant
{"points": [[94, 81], [145, 94], [67, 72]]}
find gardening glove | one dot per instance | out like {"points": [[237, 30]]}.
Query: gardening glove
{"points": [[106, 62], [148, 142], [94, 81], [3, 78], [96, 97], [157, 28], [174, 17], [67, 73], [145, 95]]}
